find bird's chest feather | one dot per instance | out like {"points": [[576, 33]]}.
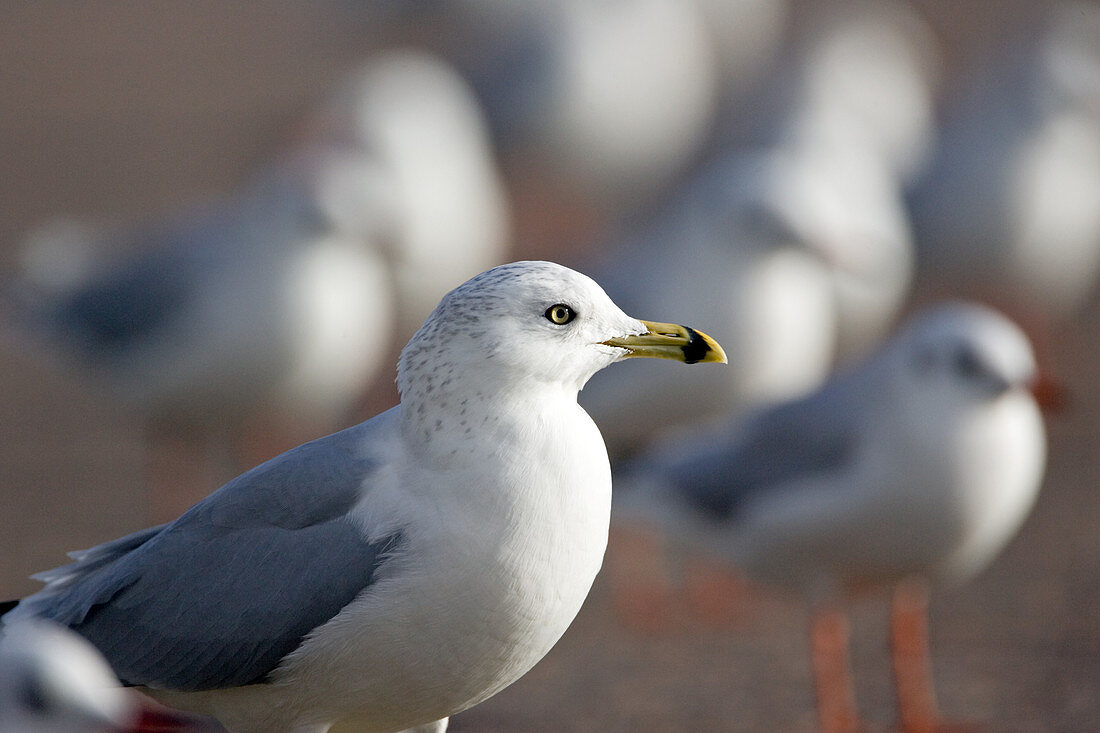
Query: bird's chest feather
{"points": [[489, 576], [540, 531]]}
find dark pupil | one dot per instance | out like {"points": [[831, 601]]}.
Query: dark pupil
{"points": [[559, 314]]}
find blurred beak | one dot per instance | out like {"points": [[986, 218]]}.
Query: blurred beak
{"points": [[155, 718], [1049, 394], [669, 341]]}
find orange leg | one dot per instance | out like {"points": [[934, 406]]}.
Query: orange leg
{"points": [[917, 708], [836, 700]]}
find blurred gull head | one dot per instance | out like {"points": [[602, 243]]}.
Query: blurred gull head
{"points": [[52, 681], [737, 249], [863, 74]]}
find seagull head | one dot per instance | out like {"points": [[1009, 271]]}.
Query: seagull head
{"points": [[964, 355], [535, 321], [52, 680]]}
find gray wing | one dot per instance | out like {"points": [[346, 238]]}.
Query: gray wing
{"points": [[140, 295], [769, 450], [217, 598]]}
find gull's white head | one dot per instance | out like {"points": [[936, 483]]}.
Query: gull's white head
{"points": [[959, 356], [52, 680], [533, 321]]}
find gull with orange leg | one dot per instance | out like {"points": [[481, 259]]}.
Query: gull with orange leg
{"points": [[918, 465]]}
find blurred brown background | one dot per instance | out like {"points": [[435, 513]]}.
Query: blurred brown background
{"points": [[117, 110]]}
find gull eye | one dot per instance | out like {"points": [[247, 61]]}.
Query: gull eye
{"points": [[560, 314], [966, 363]]}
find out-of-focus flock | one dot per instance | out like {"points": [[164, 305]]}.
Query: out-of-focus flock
{"points": [[791, 182]]}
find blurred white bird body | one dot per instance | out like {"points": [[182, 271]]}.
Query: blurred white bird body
{"points": [[433, 201], [249, 304], [939, 504], [741, 249], [923, 461], [919, 464], [404, 569], [865, 75], [612, 98], [1010, 204]]}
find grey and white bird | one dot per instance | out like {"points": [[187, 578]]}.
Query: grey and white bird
{"points": [[403, 156], [252, 300], [922, 462], [611, 99], [402, 570], [53, 681], [1009, 207], [743, 247], [854, 102]]}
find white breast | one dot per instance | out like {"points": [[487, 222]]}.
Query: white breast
{"points": [[491, 572]]}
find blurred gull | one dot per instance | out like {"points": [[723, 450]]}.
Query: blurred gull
{"points": [[53, 681], [855, 101], [863, 74], [740, 248], [402, 570], [866, 239], [1010, 206], [249, 303], [920, 463], [417, 174], [611, 97]]}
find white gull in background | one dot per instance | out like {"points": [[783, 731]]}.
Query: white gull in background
{"points": [[861, 74], [251, 299], [854, 101], [402, 570], [740, 249], [245, 306], [1009, 209], [609, 99], [922, 463], [53, 681], [414, 171]]}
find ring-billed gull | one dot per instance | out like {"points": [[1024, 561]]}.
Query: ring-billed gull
{"points": [[921, 463], [402, 570], [608, 99]]}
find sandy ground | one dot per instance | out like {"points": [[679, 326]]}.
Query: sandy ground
{"points": [[109, 110]]}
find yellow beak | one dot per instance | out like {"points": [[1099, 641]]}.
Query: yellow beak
{"points": [[669, 341]]}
